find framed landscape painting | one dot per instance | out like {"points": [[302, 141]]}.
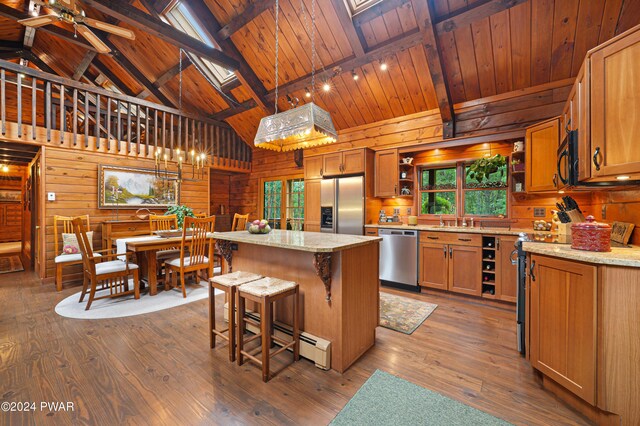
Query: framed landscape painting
{"points": [[128, 187]]}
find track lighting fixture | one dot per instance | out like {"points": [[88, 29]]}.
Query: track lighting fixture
{"points": [[307, 92], [326, 87], [383, 65], [355, 75]]}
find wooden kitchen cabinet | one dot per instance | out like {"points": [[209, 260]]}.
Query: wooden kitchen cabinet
{"points": [[434, 265], [465, 273], [313, 167], [453, 267], [386, 172], [332, 164], [312, 205], [615, 109], [506, 272], [563, 323], [541, 149]]}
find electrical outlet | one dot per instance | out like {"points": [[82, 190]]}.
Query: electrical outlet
{"points": [[396, 210], [539, 212], [51, 196]]}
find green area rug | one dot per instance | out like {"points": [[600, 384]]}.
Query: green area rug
{"points": [[402, 313], [385, 399]]}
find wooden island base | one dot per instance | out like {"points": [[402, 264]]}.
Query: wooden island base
{"points": [[349, 319]]}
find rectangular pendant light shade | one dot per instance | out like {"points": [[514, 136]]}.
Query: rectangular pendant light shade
{"points": [[303, 127]]}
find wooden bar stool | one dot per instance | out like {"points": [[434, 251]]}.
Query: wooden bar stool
{"points": [[228, 284], [264, 292]]}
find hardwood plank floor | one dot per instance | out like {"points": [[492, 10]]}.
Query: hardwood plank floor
{"points": [[158, 369]]}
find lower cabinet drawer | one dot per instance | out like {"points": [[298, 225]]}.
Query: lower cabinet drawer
{"points": [[459, 239]]}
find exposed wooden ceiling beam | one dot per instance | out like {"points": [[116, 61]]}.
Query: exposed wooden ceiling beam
{"points": [[252, 11], [115, 80], [11, 54], [468, 16], [164, 78], [424, 12], [10, 45], [413, 38], [230, 85], [244, 73], [378, 9], [149, 5], [130, 67], [30, 56], [230, 112], [30, 32], [15, 15], [123, 11], [348, 26], [84, 65]]}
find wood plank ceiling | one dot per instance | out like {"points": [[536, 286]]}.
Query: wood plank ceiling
{"points": [[485, 47]]}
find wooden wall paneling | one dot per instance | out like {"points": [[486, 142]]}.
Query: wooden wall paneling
{"points": [[368, 97], [564, 33], [421, 66], [483, 47], [501, 40], [358, 100], [610, 16], [542, 24], [590, 17], [451, 65], [520, 27], [369, 73], [414, 90], [468, 64], [629, 16]]}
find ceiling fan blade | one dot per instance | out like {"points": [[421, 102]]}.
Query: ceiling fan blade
{"points": [[38, 21], [93, 39], [113, 29]]}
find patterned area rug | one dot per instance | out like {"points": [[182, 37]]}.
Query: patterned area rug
{"points": [[10, 264], [385, 399], [402, 313]]}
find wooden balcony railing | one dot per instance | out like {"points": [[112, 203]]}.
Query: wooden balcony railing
{"points": [[45, 109]]}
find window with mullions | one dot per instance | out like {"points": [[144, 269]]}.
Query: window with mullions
{"points": [[486, 198], [438, 188], [283, 203]]}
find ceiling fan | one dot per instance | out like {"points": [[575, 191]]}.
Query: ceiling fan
{"points": [[68, 11]]}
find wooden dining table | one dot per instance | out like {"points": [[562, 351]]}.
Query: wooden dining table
{"points": [[147, 260]]}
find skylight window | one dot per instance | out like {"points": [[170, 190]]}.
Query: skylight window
{"points": [[181, 18], [358, 6]]}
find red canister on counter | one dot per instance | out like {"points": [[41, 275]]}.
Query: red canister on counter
{"points": [[591, 235]]}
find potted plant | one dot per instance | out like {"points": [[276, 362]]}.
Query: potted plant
{"points": [[517, 165], [181, 212], [483, 167]]}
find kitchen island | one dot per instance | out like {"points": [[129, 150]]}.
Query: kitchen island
{"points": [[338, 278]]}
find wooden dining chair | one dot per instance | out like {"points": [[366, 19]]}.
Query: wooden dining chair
{"points": [[162, 222], [63, 225], [196, 251], [199, 215], [111, 275], [239, 222]]}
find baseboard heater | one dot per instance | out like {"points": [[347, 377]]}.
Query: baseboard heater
{"points": [[311, 347]]}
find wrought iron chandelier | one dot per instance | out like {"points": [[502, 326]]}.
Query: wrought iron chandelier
{"points": [[301, 127]]}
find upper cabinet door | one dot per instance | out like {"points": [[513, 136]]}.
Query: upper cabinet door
{"points": [[332, 164], [541, 146], [313, 167], [386, 173], [615, 109], [353, 161]]}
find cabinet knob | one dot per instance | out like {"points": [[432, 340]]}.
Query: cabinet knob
{"points": [[432, 237], [533, 265], [497, 243], [321, 172], [555, 180], [445, 251], [395, 189], [450, 252]]}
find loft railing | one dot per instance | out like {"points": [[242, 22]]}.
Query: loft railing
{"points": [[49, 110]]}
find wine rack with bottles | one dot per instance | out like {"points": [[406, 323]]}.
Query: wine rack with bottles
{"points": [[489, 267]]}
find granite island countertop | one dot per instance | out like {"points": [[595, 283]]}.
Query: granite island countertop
{"points": [[618, 256], [464, 229], [315, 242]]}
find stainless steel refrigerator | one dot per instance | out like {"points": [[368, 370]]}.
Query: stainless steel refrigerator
{"points": [[342, 205]]}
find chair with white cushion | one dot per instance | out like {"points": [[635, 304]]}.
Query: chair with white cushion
{"points": [[111, 275], [196, 251], [70, 252]]}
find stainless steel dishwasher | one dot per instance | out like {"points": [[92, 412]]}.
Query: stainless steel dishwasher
{"points": [[399, 258]]}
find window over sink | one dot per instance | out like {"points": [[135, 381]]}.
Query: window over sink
{"points": [[447, 190]]}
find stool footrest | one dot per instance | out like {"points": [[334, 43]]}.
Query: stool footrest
{"points": [[282, 349], [251, 321], [252, 338], [252, 358], [221, 333]]}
